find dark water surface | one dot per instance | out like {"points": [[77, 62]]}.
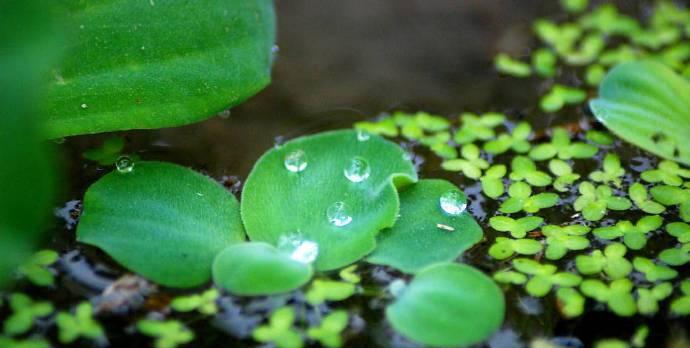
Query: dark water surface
{"points": [[340, 62]]}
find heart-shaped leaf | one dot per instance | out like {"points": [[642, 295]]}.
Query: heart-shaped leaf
{"points": [[448, 304], [161, 220], [151, 64], [638, 94], [258, 268], [425, 233], [336, 188]]}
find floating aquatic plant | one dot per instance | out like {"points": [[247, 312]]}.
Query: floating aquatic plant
{"points": [[475, 127], [563, 173], [492, 181], [328, 333], [612, 262], [561, 239], [80, 324], [524, 169], [680, 230], [510, 66], [561, 147], [472, 306], [471, 165], [572, 303], [168, 334], [279, 330], [36, 268], [634, 235], [611, 173], [681, 304], [543, 277], [653, 272], [521, 199], [667, 172], [676, 256], [672, 195], [204, 303], [639, 195], [560, 96], [433, 216], [593, 202], [322, 290], [517, 140], [517, 228], [648, 298], [617, 295], [504, 248], [25, 312]]}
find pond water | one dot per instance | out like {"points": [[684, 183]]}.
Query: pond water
{"points": [[340, 62]]}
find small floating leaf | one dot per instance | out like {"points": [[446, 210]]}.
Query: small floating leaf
{"points": [[329, 330], [168, 334], [423, 226], [618, 295], [322, 290], [448, 305], [79, 324], [510, 66], [652, 271], [163, 221], [612, 262], [517, 140], [637, 94], [279, 330], [258, 268], [634, 235], [320, 203]]}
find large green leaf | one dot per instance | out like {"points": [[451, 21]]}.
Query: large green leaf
{"points": [[425, 233], [648, 105], [448, 304], [337, 189], [150, 64], [257, 268], [28, 46], [162, 221]]}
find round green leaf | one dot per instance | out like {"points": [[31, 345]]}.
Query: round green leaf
{"points": [[423, 226], [169, 63], [161, 220], [448, 305], [258, 268], [636, 94], [331, 188]]}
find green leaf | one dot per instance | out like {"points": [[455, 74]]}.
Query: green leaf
{"points": [[618, 295], [205, 302], [424, 225], [668, 172], [179, 63], [638, 194], [35, 268], [279, 330], [571, 303], [652, 271], [257, 268], [612, 171], [612, 262], [25, 312], [448, 305], [168, 334], [504, 248], [680, 230], [648, 299], [510, 66], [544, 62], [637, 94], [343, 188], [492, 181], [163, 221], [323, 290], [79, 324], [107, 153], [29, 48], [560, 96], [328, 332]]}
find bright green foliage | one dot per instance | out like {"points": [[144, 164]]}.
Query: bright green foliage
{"points": [[653, 272], [638, 339], [79, 324], [544, 62], [439, 144], [448, 304], [168, 334], [676, 256], [607, 20], [475, 127], [346, 188], [671, 195], [617, 295], [492, 181], [24, 313], [349, 275], [525, 169], [504, 248], [563, 173], [612, 262], [587, 51], [597, 137], [571, 302], [665, 104], [560, 239], [257, 268], [521, 198], [611, 173], [648, 298], [681, 304], [638, 194], [279, 330], [328, 332], [574, 6], [594, 75], [107, 153], [204, 303], [385, 127], [560, 96], [509, 66], [561, 38], [680, 230], [667, 172], [470, 164], [517, 228], [322, 290], [164, 72], [430, 123], [36, 268], [634, 235], [562, 147], [622, 54], [8, 342], [594, 202], [544, 277], [510, 277], [611, 343], [517, 140], [424, 226], [161, 220]]}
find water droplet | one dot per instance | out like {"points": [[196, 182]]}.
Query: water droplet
{"points": [[300, 249], [358, 170], [124, 164], [452, 203], [84, 106], [296, 161], [363, 135], [338, 215]]}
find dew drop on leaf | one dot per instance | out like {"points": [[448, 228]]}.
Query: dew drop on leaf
{"points": [[363, 135], [357, 170], [124, 164], [296, 161], [452, 203], [338, 215], [301, 250]]}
